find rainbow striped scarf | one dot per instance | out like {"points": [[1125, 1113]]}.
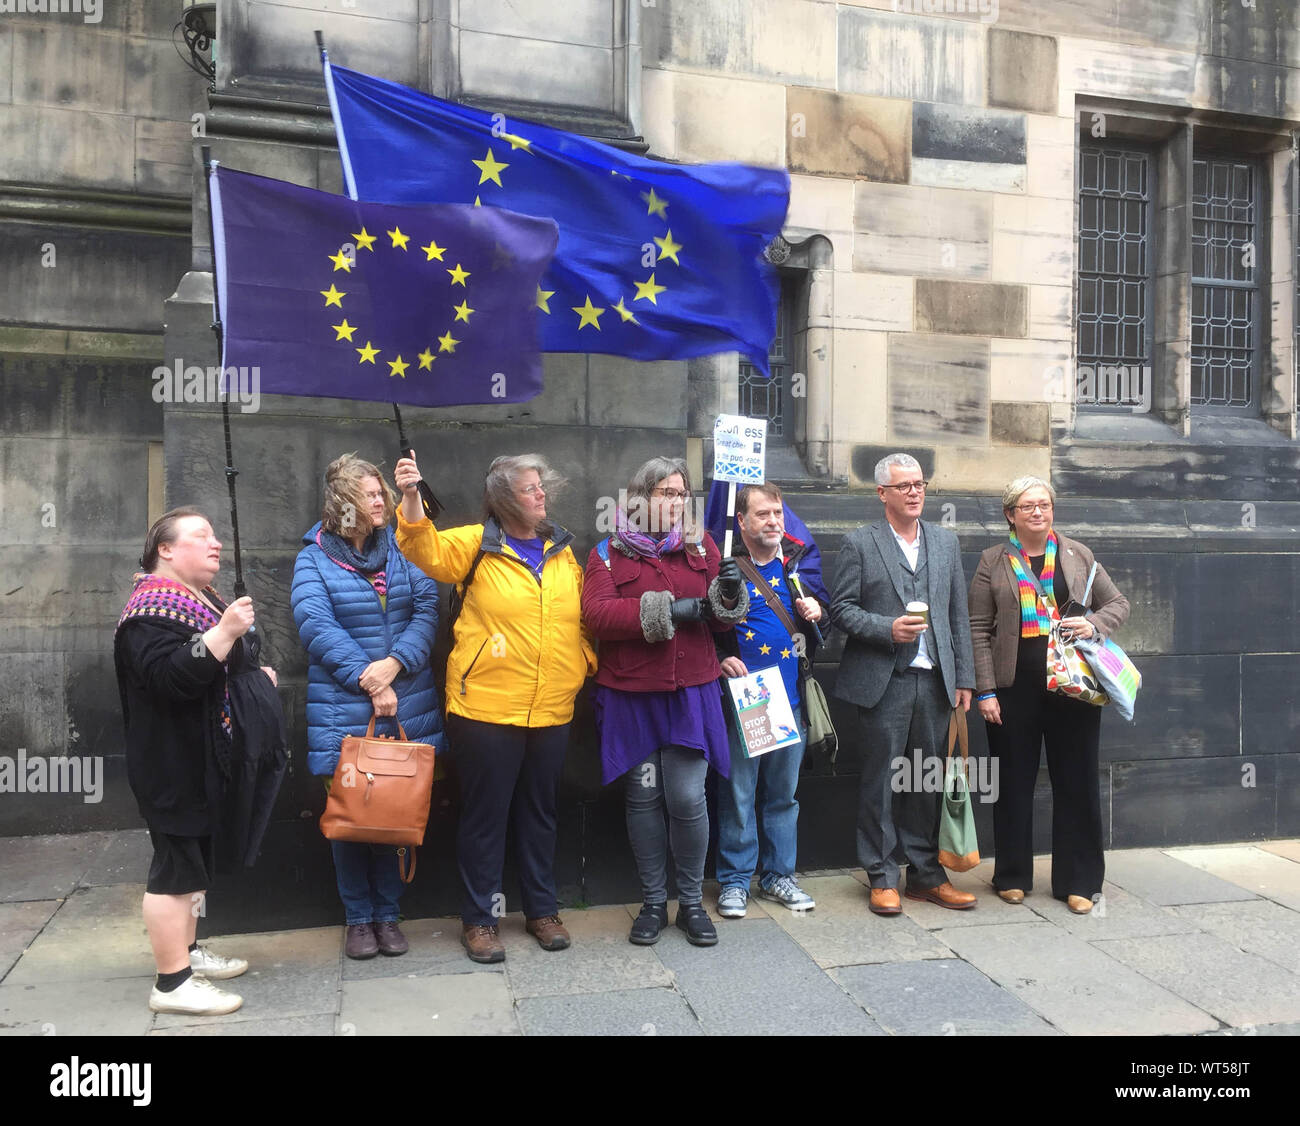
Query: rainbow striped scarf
{"points": [[1035, 616]]}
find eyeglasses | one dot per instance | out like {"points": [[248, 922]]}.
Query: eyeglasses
{"points": [[1042, 505], [531, 490], [908, 486], [670, 494]]}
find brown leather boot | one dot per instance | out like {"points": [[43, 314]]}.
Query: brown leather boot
{"points": [[945, 895], [549, 932], [482, 944]]}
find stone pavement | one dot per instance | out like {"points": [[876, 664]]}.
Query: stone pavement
{"points": [[1184, 941]]}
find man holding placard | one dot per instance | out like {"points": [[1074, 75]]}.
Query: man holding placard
{"points": [[757, 812], [900, 595]]}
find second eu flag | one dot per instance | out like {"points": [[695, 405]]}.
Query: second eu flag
{"points": [[432, 305], [655, 261]]}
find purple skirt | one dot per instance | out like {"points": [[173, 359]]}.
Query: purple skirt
{"points": [[633, 725]]}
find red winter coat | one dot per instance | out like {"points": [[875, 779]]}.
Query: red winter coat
{"points": [[611, 607]]}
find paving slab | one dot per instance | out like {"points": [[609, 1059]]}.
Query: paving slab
{"points": [[47, 867], [941, 997], [446, 1005], [842, 932], [988, 907], [757, 981], [1291, 1029], [1289, 849], [625, 1012], [97, 933], [1236, 987], [1072, 984], [435, 949], [1117, 914], [290, 974], [20, 923], [600, 960], [1259, 927], [124, 859], [1263, 873], [104, 1007], [322, 1024], [1157, 877]]}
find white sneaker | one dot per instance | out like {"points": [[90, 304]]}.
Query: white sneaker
{"points": [[196, 996], [215, 967]]}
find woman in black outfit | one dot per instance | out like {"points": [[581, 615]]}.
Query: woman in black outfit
{"points": [[1010, 620]]}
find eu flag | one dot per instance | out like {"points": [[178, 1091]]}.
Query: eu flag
{"points": [[432, 305], [655, 261]]}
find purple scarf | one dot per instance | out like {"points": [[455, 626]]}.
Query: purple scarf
{"points": [[644, 544]]}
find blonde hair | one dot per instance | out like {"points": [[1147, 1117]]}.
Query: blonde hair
{"points": [[345, 496], [1021, 485]]}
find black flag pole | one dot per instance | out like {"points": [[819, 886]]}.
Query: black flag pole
{"points": [[231, 472], [431, 504]]}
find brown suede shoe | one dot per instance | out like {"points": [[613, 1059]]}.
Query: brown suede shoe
{"points": [[945, 895], [1079, 904], [1011, 895], [885, 901], [482, 944], [549, 932]]}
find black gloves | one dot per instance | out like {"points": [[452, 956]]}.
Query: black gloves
{"points": [[687, 610], [729, 581]]}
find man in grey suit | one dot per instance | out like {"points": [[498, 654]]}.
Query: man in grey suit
{"points": [[904, 677]]}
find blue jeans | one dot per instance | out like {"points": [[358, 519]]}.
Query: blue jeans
{"points": [[758, 815], [369, 882]]}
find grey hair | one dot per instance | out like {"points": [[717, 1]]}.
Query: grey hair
{"points": [[647, 477], [499, 500], [1021, 485], [903, 461]]}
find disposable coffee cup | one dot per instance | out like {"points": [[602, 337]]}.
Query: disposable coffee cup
{"points": [[920, 610]]}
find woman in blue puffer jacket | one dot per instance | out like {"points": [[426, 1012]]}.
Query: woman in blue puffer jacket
{"points": [[367, 618]]}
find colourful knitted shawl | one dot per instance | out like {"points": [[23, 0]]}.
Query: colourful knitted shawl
{"points": [[164, 599], [1035, 617]]}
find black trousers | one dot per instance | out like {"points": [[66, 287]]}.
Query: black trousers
{"points": [[509, 777], [1071, 730]]}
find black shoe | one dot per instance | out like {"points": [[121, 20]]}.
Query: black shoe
{"points": [[695, 921], [647, 925]]}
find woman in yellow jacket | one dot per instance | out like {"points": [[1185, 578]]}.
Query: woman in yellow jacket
{"points": [[519, 656]]}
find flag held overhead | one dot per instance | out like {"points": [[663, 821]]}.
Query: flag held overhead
{"points": [[430, 304]]}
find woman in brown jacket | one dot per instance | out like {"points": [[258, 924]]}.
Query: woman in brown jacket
{"points": [[1010, 621]]}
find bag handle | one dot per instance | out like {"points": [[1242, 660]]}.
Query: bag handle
{"points": [[1087, 590], [407, 876], [370, 730], [959, 736]]}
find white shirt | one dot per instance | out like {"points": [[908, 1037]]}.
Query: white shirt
{"points": [[912, 553]]}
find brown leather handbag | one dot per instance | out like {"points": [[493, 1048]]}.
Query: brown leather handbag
{"points": [[380, 793]]}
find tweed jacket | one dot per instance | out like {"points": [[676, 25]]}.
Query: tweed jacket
{"points": [[995, 607], [869, 594]]}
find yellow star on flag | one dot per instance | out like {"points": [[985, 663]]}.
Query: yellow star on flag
{"points": [[333, 296], [543, 297], [624, 312], [341, 261], [765, 649], [775, 580], [667, 248], [648, 290], [463, 311], [749, 635], [367, 354], [785, 653], [426, 359], [458, 275], [446, 343], [365, 240], [433, 250], [588, 314], [397, 367], [516, 142], [344, 331], [754, 589], [478, 202], [655, 205], [490, 169], [398, 238]]}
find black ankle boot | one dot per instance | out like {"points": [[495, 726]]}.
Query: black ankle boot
{"points": [[647, 925], [695, 921]]}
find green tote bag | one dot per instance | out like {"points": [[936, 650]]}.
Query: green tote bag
{"points": [[959, 849]]}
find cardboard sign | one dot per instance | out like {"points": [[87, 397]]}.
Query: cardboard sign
{"points": [[739, 446], [763, 713]]}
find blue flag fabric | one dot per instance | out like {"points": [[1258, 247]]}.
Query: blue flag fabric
{"points": [[655, 261], [810, 566], [430, 305]]}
